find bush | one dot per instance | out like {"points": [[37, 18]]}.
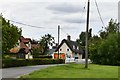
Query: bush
{"points": [[6, 63], [43, 56], [107, 53]]}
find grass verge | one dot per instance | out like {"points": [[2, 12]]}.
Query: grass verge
{"points": [[75, 71]]}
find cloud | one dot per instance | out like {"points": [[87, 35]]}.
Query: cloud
{"points": [[50, 14], [74, 20], [65, 8]]}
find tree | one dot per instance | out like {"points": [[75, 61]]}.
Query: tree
{"points": [[10, 35], [103, 34], [46, 41], [36, 48], [81, 39], [111, 28], [108, 50], [105, 50]]}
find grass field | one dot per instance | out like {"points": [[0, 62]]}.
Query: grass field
{"points": [[76, 71]]}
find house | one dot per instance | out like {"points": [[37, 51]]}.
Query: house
{"points": [[22, 48], [68, 49]]}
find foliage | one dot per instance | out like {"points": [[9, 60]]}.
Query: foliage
{"points": [[9, 56], [103, 34], [36, 48], [76, 71], [105, 49], [111, 28], [81, 39], [36, 52], [10, 35], [46, 41], [108, 50], [43, 56], [93, 49], [27, 62]]}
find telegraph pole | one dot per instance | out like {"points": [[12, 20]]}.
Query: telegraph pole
{"points": [[87, 27], [58, 38]]}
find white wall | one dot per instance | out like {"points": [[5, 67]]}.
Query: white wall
{"points": [[64, 48], [29, 45]]}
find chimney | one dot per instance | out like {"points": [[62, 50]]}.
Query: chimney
{"points": [[68, 37]]}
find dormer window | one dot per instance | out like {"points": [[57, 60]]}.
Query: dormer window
{"points": [[73, 47], [77, 47]]}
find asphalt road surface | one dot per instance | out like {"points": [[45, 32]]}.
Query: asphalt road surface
{"points": [[19, 71]]}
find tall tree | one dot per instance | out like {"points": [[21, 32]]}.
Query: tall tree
{"points": [[10, 35], [111, 28], [105, 50], [46, 41], [81, 39], [37, 49]]}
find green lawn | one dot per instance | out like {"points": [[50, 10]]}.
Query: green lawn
{"points": [[76, 71]]}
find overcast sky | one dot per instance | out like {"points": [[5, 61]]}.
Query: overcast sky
{"points": [[71, 16]]}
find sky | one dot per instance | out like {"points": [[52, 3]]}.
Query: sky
{"points": [[119, 12], [48, 14]]}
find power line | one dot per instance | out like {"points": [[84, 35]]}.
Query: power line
{"points": [[39, 26], [27, 24], [99, 14], [24, 24]]}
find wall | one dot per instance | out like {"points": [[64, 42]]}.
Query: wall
{"points": [[64, 48]]}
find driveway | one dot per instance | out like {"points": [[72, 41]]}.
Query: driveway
{"points": [[18, 71]]}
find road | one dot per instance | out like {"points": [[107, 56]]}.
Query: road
{"points": [[18, 71]]}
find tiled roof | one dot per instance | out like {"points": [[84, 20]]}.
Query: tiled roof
{"points": [[23, 45], [23, 42], [14, 50]]}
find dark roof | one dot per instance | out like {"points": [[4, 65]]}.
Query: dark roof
{"points": [[70, 44]]}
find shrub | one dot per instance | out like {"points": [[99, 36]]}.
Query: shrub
{"points": [[27, 62], [107, 52], [43, 56]]}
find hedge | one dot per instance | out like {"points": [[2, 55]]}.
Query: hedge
{"points": [[6, 63], [43, 56]]}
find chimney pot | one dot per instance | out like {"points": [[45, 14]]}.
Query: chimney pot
{"points": [[68, 37]]}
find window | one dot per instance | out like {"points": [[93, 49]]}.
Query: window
{"points": [[73, 47], [78, 47], [60, 49], [67, 49]]}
